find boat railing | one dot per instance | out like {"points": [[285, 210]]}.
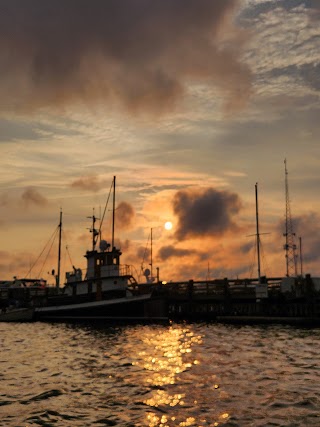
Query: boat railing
{"points": [[122, 270], [217, 287]]}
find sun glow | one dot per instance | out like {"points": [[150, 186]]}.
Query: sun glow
{"points": [[168, 225]]}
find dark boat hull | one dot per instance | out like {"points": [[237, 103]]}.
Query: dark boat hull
{"points": [[137, 308], [17, 315]]}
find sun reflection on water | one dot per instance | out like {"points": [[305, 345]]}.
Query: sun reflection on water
{"points": [[169, 363], [168, 355]]}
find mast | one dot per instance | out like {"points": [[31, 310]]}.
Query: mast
{"points": [[151, 261], [59, 251], [300, 253], [258, 234], [95, 233], [113, 209], [289, 247]]}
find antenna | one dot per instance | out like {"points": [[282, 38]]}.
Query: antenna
{"points": [[95, 233], [301, 259], [258, 234], [289, 247]]}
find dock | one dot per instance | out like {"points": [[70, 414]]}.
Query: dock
{"points": [[237, 301]]}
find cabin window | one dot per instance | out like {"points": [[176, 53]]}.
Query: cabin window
{"points": [[115, 261]]}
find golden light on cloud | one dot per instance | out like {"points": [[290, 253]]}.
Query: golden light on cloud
{"points": [[168, 225]]}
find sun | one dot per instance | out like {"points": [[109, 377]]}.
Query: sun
{"points": [[168, 225]]}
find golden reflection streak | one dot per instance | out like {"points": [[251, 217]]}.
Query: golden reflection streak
{"points": [[167, 358], [170, 354]]}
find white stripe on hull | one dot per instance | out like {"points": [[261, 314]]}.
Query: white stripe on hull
{"points": [[141, 318], [94, 304]]}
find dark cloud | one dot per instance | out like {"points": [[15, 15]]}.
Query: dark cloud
{"points": [[170, 251], [136, 53], [32, 197], [308, 227], [88, 183], [124, 215], [124, 245], [259, 8], [143, 254], [246, 248], [205, 212], [308, 73]]}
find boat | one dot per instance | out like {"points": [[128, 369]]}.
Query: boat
{"points": [[18, 298], [24, 314], [106, 290]]}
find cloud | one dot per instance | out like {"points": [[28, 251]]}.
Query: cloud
{"points": [[140, 54], [88, 183], [205, 212], [170, 251], [307, 73], [246, 247], [143, 254], [32, 197], [124, 215], [308, 227]]}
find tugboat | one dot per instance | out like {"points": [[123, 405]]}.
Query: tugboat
{"points": [[107, 291]]}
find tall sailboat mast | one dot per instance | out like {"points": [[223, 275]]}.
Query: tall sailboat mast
{"points": [[151, 255], [59, 251], [113, 209], [258, 234]]}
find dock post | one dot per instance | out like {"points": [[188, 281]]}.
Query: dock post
{"points": [[190, 298]]}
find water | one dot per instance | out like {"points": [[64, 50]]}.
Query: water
{"points": [[177, 375]]}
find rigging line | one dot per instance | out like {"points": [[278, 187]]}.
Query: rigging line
{"points": [[64, 260], [105, 209], [267, 269], [52, 237], [145, 252], [69, 256], [67, 248], [68, 253], [46, 258], [137, 273]]}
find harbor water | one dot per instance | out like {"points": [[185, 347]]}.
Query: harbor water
{"points": [[158, 375]]}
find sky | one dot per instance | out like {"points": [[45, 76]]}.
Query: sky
{"points": [[189, 103]]}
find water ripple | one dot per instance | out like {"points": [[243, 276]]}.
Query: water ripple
{"points": [[158, 376]]}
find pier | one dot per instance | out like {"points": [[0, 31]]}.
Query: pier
{"points": [[238, 300]]}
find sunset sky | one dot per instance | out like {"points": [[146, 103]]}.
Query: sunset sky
{"points": [[188, 103]]}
